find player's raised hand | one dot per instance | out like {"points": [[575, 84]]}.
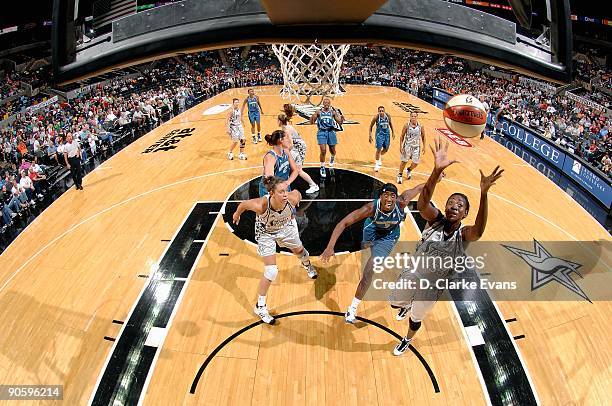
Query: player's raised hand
{"points": [[487, 181], [440, 153]]}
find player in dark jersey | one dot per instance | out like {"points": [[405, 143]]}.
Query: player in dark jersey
{"points": [[381, 232]]}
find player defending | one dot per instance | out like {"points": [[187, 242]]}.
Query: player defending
{"points": [[380, 232], [384, 128], [410, 145], [235, 130], [275, 224], [255, 111], [326, 132], [444, 236]]}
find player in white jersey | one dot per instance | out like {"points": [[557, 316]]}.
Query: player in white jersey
{"points": [[412, 145], [298, 146], [275, 224], [235, 129], [445, 238]]}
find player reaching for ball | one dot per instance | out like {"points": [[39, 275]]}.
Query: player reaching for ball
{"points": [[381, 232], [445, 237]]}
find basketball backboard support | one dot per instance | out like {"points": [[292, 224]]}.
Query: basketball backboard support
{"points": [[430, 25]]}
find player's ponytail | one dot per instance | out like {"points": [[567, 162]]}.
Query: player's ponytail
{"points": [[289, 110], [282, 117], [274, 138], [270, 183]]}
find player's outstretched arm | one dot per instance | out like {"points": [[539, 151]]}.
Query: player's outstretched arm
{"points": [[255, 205], [473, 233], [441, 162], [365, 211]]}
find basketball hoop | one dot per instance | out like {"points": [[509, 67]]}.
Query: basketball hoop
{"points": [[310, 70]]}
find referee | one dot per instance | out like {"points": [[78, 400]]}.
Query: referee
{"points": [[72, 156]]}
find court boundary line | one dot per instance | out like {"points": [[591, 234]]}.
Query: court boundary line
{"points": [[143, 392], [131, 311]]}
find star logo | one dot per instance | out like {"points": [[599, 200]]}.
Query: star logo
{"points": [[546, 268]]}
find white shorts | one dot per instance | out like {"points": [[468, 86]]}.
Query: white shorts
{"points": [[419, 301], [236, 133], [288, 237], [411, 153], [298, 152], [418, 308]]}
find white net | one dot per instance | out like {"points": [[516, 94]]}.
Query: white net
{"points": [[310, 70]]}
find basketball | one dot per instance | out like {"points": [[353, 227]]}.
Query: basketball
{"points": [[465, 115]]}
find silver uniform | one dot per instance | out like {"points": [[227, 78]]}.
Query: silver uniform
{"points": [[298, 151], [276, 227], [434, 248], [412, 144], [235, 126]]}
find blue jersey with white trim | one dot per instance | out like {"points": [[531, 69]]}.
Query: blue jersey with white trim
{"points": [[382, 124], [325, 120], [383, 225], [253, 104]]}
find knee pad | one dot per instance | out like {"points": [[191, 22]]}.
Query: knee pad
{"points": [[270, 272], [242, 143], [414, 325]]}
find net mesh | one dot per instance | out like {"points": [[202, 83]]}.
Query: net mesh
{"points": [[310, 70]]}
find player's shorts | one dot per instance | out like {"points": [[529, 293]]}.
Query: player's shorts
{"points": [[263, 191], [254, 116], [298, 152], [419, 301], [380, 245], [383, 140], [236, 133], [411, 153], [288, 237], [327, 138]]}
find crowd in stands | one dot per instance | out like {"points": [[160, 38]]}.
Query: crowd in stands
{"points": [[32, 144], [580, 129]]}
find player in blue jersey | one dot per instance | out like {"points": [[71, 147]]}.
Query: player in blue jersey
{"points": [[326, 119], [255, 112], [381, 232], [278, 161], [384, 132]]}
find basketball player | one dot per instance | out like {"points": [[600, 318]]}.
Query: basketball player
{"points": [[326, 132], [445, 237], [275, 224], [381, 231], [384, 128], [410, 145], [298, 146], [278, 161], [254, 106], [235, 130]]}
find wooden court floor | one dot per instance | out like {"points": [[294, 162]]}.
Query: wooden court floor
{"points": [[76, 273]]}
